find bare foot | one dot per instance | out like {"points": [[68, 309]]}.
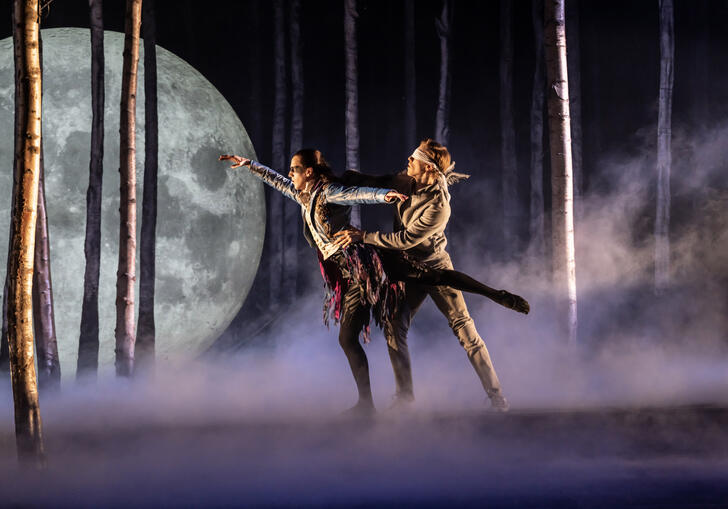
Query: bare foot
{"points": [[361, 409]]}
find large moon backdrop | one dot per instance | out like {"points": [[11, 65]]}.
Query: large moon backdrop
{"points": [[211, 220]]}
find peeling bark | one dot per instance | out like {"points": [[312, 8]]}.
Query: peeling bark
{"points": [[146, 329], [126, 272], [88, 341], [562, 185], [573, 57], [28, 427]]}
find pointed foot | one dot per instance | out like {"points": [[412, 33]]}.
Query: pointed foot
{"points": [[514, 302]]}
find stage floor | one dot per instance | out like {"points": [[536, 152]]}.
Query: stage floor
{"points": [[595, 457]]}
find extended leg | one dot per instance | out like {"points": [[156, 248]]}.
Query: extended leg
{"points": [[461, 281]]}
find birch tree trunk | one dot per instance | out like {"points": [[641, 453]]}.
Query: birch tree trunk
{"points": [[410, 78], [352, 96], [126, 272], [146, 330], [536, 223], [442, 118], [664, 156], [292, 210], [562, 185], [21, 94], [509, 164], [44, 323], [28, 428], [88, 341], [276, 207], [573, 57]]}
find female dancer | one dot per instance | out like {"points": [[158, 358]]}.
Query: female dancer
{"points": [[360, 277]]}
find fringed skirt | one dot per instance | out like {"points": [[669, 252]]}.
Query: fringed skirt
{"points": [[361, 265]]}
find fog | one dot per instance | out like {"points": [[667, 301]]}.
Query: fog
{"points": [[641, 395]]}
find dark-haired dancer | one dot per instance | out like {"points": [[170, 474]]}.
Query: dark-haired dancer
{"points": [[359, 278], [355, 280], [420, 232]]}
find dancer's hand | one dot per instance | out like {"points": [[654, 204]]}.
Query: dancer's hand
{"points": [[394, 195], [345, 238], [237, 160]]}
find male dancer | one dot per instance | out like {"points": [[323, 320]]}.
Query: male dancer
{"points": [[420, 232]]}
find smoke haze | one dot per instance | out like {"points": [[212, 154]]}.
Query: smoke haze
{"points": [[640, 395]]}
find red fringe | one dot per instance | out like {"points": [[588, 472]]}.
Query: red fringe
{"points": [[380, 293]]}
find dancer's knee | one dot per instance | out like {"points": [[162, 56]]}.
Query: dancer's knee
{"points": [[468, 336], [396, 335], [348, 338], [460, 321]]}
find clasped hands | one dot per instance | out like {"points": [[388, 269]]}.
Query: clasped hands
{"points": [[345, 238]]}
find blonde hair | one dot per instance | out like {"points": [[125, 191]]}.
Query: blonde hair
{"points": [[437, 152]]}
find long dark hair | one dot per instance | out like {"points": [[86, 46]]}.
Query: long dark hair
{"points": [[312, 158]]}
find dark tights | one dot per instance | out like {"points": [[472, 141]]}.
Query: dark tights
{"points": [[354, 315], [400, 268]]}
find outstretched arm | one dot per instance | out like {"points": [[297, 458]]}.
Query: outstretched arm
{"points": [[267, 175], [354, 195], [433, 220]]}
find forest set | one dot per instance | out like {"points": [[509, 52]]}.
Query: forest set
{"points": [[600, 198]]}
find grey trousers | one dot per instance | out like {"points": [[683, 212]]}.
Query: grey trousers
{"points": [[450, 302]]}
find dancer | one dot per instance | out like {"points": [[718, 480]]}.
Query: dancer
{"points": [[354, 278], [420, 233], [358, 278]]}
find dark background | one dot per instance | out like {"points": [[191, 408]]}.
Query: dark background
{"points": [[231, 44]]}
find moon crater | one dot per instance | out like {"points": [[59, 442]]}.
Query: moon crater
{"points": [[210, 222]]}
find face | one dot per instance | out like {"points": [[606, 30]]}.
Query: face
{"points": [[299, 175], [417, 169]]}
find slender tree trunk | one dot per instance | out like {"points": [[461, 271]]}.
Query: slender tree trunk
{"points": [[256, 112], [146, 330], [126, 273], [44, 323], [4, 350], [562, 185], [410, 78], [442, 118], [28, 428], [664, 156], [538, 240], [292, 214], [276, 201], [701, 61], [352, 95], [19, 128], [509, 164], [573, 57], [88, 341]]}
